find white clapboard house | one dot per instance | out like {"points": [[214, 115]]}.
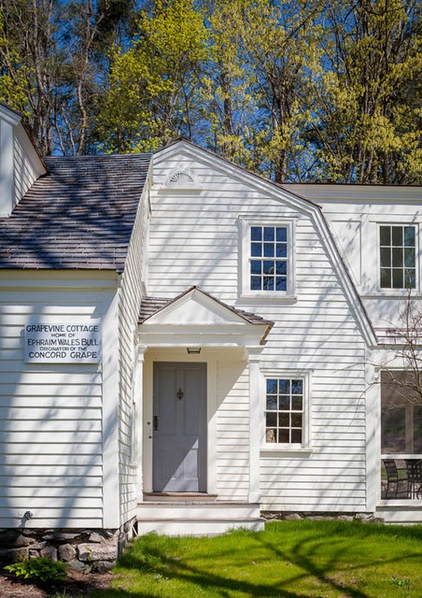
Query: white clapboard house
{"points": [[185, 345]]}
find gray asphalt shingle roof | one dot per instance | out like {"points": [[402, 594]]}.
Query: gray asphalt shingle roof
{"points": [[79, 215]]}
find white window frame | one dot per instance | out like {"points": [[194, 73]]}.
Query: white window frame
{"points": [[397, 289], [370, 246], [408, 405], [305, 445], [245, 256]]}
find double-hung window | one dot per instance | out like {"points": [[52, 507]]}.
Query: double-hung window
{"points": [[267, 258], [397, 256], [285, 421]]}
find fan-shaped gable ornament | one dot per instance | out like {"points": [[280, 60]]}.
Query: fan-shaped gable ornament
{"points": [[181, 179]]}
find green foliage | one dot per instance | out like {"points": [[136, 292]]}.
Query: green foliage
{"points": [[39, 569], [52, 65], [257, 85], [13, 81], [366, 125], [152, 85], [305, 91]]}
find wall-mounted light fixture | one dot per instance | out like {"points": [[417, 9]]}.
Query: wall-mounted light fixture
{"points": [[193, 350]]}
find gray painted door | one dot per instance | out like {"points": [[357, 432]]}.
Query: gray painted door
{"points": [[179, 427]]}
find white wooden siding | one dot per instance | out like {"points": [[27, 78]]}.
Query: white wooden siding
{"points": [[27, 166], [51, 415], [194, 240], [130, 301], [332, 475], [232, 422]]}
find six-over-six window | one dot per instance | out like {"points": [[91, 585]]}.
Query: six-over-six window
{"points": [[269, 258], [397, 256], [284, 411]]}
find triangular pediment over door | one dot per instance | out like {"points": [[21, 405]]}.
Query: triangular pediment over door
{"points": [[196, 318]]}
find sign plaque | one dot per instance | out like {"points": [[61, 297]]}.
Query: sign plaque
{"points": [[61, 341]]}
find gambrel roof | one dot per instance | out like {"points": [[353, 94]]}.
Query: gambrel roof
{"points": [[80, 215], [287, 197]]}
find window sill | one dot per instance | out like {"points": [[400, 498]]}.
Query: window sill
{"points": [[390, 294], [397, 503], [401, 456], [288, 451], [179, 190], [275, 296]]}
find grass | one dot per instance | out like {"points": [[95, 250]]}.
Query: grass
{"points": [[291, 559]]}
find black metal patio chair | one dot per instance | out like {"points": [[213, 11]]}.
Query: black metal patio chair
{"points": [[392, 478], [414, 478]]}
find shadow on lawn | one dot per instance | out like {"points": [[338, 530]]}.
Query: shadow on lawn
{"points": [[304, 558]]}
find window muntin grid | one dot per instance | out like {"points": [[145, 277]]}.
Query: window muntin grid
{"points": [[269, 258], [397, 257], [284, 411]]}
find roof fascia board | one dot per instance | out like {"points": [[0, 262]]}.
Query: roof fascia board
{"points": [[338, 193], [10, 116], [34, 283], [234, 335]]}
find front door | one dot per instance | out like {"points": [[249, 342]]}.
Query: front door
{"points": [[179, 427]]}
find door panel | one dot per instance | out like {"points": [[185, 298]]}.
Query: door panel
{"points": [[179, 450]]}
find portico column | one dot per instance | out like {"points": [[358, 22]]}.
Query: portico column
{"points": [[255, 424], [139, 413], [373, 434]]}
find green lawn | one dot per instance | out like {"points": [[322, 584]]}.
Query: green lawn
{"points": [[290, 559]]}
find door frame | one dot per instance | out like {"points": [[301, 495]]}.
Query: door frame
{"points": [[148, 357], [199, 386]]}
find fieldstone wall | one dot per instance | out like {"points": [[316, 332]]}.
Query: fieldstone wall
{"points": [[87, 550], [295, 516]]}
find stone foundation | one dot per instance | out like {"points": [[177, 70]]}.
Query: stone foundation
{"points": [[296, 516], [87, 550]]}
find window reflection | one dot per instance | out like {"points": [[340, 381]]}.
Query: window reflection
{"points": [[401, 415]]}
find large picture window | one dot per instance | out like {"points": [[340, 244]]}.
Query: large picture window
{"points": [[397, 257], [284, 411], [401, 415]]}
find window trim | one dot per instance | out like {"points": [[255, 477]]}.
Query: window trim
{"points": [[305, 445], [408, 405], [390, 290], [245, 255]]}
